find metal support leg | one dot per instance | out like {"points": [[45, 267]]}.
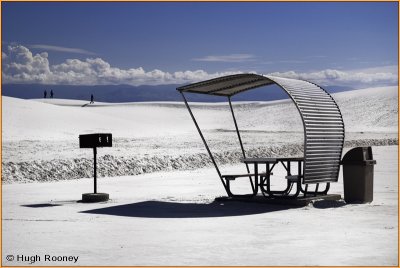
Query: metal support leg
{"points": [[298, 183], [289, 184], [204, 141], [278, 194], [256, 184], [324, 192], [316, 189], [305, 191], [95, 169], [240, 141], [264, 181]]}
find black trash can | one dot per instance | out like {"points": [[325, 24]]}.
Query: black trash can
{"points": [[358, 175]]}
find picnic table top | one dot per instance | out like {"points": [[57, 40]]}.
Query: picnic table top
{"points": [[270, 159]]}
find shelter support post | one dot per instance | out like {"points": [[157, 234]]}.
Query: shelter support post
{"points": [[240, 140], [95, 169], [204, 141]]}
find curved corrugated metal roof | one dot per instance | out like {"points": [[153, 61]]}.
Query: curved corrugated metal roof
{"points": [[227, 85], [322, 120]]}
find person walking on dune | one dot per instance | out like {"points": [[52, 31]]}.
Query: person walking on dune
{"points": [[45, 94], [51, 94], [91, 98]]}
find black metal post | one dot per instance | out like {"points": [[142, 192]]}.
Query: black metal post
{"points": [[240, 139], [299, 169], [95, 169], [238, 133], [255, 188], [204, 141]]}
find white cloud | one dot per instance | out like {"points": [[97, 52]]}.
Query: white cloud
{"points": [[317, 57], [20, 65], [227, 58], [63, 49], [292, 61], [371, 76]]}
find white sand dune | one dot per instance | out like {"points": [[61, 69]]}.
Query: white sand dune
{"points": [[372, 109], [154, 136], [33, 120], [167, 216]]}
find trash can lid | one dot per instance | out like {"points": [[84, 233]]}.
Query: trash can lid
{"points": [[361, 155]]}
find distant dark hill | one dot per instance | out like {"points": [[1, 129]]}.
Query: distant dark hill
{"points": [[109, 93], [127, 93]]}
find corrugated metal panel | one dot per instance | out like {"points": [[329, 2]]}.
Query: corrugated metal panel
{"points": [[323, 129], [322, 120], [227, 85]]}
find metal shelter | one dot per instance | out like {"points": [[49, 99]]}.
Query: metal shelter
{"points": [[322, 120]]}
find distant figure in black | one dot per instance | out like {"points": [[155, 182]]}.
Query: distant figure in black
{"points": [[51, 94], [45, 94], [91, 99]]}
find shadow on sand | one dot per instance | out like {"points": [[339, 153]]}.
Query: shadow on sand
{"points": [[44, 205], [329, 204], [159, 209]]}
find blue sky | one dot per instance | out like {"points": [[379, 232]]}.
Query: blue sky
{"points": [[155, 43]]}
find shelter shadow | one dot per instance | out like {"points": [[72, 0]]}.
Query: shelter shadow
{"points": [[160, 209]]}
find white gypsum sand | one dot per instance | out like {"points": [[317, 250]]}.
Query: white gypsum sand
{"points": [[165, 214], [40, 137], [169, 218]]}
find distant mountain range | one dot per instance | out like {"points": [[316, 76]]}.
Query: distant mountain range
{"points": [[127, 93]]}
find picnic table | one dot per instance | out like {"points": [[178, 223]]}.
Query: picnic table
{"points": [[262, 180]]}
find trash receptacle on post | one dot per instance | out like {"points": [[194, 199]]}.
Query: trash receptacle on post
{"points": [[358, 175]]}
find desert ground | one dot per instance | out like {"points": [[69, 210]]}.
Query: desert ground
{"points": [[162, 185]]}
